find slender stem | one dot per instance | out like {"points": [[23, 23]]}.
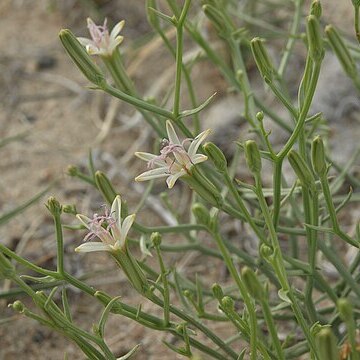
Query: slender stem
{"points": [[243, 292], [179, 53]]}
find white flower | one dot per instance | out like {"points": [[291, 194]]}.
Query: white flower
{"points": [[113, 236], [174, 160], [101, 42]]}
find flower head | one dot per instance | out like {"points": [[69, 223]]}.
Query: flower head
{"points": [[102, 42], [109, 228], [174, 160]]}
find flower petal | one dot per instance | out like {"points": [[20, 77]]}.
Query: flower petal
{"points": [[85, 41], [116, 29], [115, 211], [84, 220], [171, 180], [194, 146], [150, 157], [153, 174], [198, 158], [126, 225], [93, 246], [173, 138]]}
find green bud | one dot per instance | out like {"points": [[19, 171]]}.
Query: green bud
{"points": [[156, 238], [201, 213], [252, 155], [53, 206], [266, 252], [301, 169], [252, 283], [187, 293], [216, 18], [326, 344], [314, 37], [217, 292], [105, 187], [341, 51], [216, 156], [345, 309], [262, 59], [81, 58], [228, 303], [69, 209], [318, 157], [72, 170], [18, 306], [260, 116], [316, 9]]}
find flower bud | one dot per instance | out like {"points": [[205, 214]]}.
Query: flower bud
{"points": [[216, 156], [105, 187], [228, 303], [252, 283], [53, 206], [345, 309], [266, 252], [318, 157], [69, 209], [341, 51], [72, 170], [18, 306], [260, 116], [216, 18], [301, 169], [81, 58], [252, 155], [156, 239], [326, 344], [314, 37], [316, 9], [217, 292], [201, 214], [262, 59]]}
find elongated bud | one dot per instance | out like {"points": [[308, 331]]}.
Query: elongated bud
{"points": [[156, 239], [301, 169], [216, 18], [252, 283], [314, 37], [316, 9], [326, 344], [54, 206], [318, 157], [252, 155], [81, 58], [105, 187], [262, 59], [345, 309], [341, 51], [216, 156], [217, 292], [201, 214]]}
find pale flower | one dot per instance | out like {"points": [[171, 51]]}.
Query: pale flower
{"points": [[174, 160], [109, 228], [101, 42]]}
